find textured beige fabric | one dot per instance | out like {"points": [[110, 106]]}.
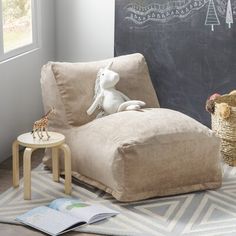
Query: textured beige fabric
{"points": [[132, 155], [51, 97], [76, 82], [137, 155]]}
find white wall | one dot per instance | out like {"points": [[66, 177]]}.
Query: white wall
{"points": [[84, 29], [20, 94], [71, 30]]}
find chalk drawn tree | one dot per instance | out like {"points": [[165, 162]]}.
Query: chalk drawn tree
{"points": [[211, 17], [229, 14]]}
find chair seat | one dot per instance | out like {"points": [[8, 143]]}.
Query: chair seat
{"points": [[136, 155]]}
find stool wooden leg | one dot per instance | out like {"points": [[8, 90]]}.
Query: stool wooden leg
{"points": [[55, 164], [27, 173], [15, 163], [67, 159]]}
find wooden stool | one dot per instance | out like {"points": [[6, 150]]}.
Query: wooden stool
{"points": [[56, 142]]}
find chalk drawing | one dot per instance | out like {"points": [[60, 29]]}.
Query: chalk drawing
{"points": [[162, 13], [229, 14], [212, 17]]}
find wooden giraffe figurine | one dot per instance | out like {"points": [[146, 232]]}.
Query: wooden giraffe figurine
{"points": [[42, 124]]}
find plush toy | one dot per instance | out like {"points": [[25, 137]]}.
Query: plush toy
{"points": [[232, 92], [224, 110], [210, 106], [210, 103], [107, 98], [214, 96]]}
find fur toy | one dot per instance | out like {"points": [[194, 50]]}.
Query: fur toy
{"points": [[224, 110], [210, 103], [232, 92], [210, 106], [108, 98], [214, 96]]}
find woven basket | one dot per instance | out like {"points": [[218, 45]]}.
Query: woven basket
{"points": [[226, 128]]}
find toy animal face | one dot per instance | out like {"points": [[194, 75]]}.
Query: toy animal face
{"points": [[108, 78], [53, 112]]}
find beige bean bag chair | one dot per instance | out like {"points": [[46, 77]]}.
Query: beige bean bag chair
{"points": [[133, 155]]}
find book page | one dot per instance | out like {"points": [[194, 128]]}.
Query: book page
{"points": [[82, 210], [48, 220]]}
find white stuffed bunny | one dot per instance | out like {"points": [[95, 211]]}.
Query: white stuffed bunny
{"points": [[107, 98]]}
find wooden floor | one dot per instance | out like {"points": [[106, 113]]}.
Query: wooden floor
{"points": [[6, 182]]}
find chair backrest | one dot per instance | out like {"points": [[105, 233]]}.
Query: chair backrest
{"points": [[69, 87]]}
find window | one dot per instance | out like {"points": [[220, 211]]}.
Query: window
{"points": [[18, 27]]}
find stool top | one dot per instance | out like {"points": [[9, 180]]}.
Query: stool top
{"points": [[27, 140]]}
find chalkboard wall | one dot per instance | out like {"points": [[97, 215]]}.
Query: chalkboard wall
{"points": [[189, 45]]}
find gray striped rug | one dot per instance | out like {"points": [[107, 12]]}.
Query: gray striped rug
{"points": [[203, 213]]}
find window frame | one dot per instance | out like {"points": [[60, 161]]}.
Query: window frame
{"points": [[26, 48]]}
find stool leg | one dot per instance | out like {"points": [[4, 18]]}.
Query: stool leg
{"points": [[55, 164], [27, 173], [15, 163], [67, 159]]}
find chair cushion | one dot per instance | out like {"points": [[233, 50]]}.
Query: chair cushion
{"points": [[137, 155], [75, 82]]}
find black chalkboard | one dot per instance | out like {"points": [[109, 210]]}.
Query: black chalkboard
{"points": [[189, 45]]}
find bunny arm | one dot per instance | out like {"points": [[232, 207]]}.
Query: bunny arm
{"points": [[95, 104], [123, 96]]}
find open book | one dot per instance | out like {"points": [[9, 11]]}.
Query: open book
{"points": [[64, 214]]}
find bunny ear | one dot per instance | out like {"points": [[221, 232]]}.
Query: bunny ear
{"points": [[109, 65]]}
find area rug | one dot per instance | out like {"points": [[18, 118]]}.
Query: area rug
{"points": [[202, 213]]}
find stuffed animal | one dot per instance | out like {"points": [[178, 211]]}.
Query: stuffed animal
{"points": [[224, 110], [232, 92], [210, 103], [210, 106], [108, 98], [214, 96]]}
